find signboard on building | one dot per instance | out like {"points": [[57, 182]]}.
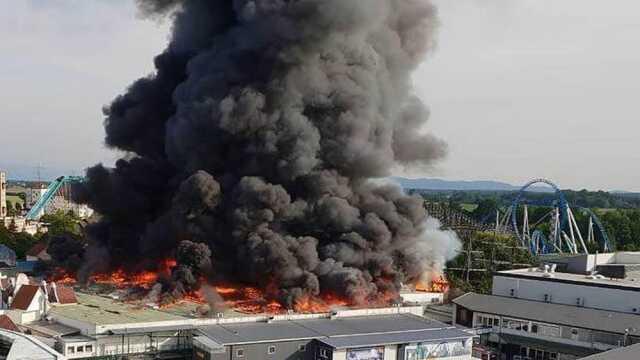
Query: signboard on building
{"points": [[438, 350], [376, 353]]}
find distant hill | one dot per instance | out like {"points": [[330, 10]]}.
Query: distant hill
{"points": [[22, 172], [451, 185]]}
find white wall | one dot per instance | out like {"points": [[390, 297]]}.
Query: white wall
{"points": [[422, 298], [340, 355], [562, 293], [391, 352], [626, 258]]}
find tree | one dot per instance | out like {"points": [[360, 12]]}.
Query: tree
{"points": [[18, 242], [10, 210], [486, 208], [61, 223]]}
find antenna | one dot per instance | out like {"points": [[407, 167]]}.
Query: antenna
{"points": [[38, 174]]}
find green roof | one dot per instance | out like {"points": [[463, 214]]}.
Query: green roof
{"points": [[101, 310]]}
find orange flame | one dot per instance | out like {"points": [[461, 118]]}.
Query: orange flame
{"points": [[438, 284], [240, 297]]}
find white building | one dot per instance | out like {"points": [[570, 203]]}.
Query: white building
{"points": [[569, 308]]}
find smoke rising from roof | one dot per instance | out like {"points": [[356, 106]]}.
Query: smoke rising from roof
{"points": [[251, 149]]}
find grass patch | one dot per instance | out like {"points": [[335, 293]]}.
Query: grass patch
{"points": [[469, 207], [14, 199]]}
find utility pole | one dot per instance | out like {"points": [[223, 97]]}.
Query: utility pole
{"points": [[469, 257]]}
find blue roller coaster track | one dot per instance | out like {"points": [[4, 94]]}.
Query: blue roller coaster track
{"points": [[38, 208], [546, 244], [562, 203]]}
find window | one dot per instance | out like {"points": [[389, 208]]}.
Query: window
{"points": [[520, 325], [487, 321], [88, 348], [534, 328], [240, 353], [513, 292], [80, 349], [271, 350], [324, 353], [71, 350], [302, 347], [574, 331]]}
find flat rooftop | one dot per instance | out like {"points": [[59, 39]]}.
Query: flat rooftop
{"points": [[567, 315], [101, 310], [338, 332], [631, 283]]}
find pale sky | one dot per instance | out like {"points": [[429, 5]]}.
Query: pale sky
{"points": [[518, 88]]}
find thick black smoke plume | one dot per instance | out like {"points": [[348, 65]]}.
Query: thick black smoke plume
{"points": [[252, 148]]}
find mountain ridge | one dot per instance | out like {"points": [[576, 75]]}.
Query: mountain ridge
{"points": [[462, 185]]}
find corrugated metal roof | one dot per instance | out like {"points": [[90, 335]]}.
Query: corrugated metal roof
{"points": [[342, 342], [627, 353], [567, 315], [352, 330], [229, 334]]}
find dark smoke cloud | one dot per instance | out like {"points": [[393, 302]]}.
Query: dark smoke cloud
{"points": [[252, 147]]}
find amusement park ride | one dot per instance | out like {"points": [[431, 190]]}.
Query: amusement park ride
{"points": [[555, 232], [56, 197]]}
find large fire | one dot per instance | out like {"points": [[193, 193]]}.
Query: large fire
{"points": [[144, 279], [245, 299], [240, 297], [437, 284]]}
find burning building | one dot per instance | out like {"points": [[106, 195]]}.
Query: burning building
{"points": [[252, 150]]}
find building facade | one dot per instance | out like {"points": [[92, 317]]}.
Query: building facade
{"points": [[551, 313], [399, 336]]}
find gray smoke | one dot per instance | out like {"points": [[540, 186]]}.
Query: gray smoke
{"points": [[252, 146]]}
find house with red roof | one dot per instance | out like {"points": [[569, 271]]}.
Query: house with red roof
{"points": [[8, 324], [60, 294], [28, 304]]}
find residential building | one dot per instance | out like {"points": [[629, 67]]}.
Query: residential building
{"points": [[29, 304], [566, 309]]}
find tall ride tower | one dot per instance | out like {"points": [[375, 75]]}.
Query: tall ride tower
{"points": [[3, 195]]}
